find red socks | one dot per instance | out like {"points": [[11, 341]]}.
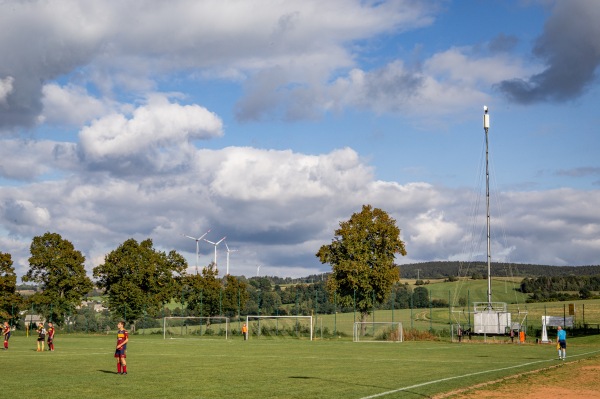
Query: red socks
{"points": [[5, 344], [119, 367], [124, 368]]}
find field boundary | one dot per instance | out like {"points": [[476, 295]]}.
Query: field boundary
{"points": [[378, 395]]}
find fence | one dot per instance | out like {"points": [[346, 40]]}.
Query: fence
{"points": [[338, 324]]}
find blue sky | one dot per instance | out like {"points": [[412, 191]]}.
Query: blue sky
{"points": [[269, 122]]}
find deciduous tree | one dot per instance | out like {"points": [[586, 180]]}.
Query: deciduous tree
{"points": [[139, 279], [58, 269], [10, 300], [362, 259]]}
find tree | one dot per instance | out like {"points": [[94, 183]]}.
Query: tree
{"points": [[10, 300], [205, 292], [420, 297], [58, 268], [235, 295], [139, 279], [362, 259]]}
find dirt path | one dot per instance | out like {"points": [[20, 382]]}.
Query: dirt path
{"points": [[578, 379]]}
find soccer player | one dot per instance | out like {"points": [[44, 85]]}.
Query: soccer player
{"points": [[6, 332], [561, 341], [121, 351], [50, 336], [41, 337], [245, 331]]}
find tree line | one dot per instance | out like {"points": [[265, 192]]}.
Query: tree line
{"points": [[137, 280], [447, 269]]}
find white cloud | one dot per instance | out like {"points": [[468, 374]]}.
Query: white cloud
{"points": [[155, 132], [23, 212], [71, 105], [29, 159], [6, 87]]}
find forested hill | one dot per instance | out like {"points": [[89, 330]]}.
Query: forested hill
{"points": [[432, 270]]}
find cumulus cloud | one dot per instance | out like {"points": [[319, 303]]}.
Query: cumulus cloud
{"points": [[27, 160], [23, 212], [570, 48], [71, 105], [155, 136], [123, 46]]}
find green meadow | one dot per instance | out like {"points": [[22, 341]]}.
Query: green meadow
{"points": [[83, 367]]}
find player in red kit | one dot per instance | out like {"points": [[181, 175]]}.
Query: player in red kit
{"points": [[6, 332], [50, 336], [121, 351]]}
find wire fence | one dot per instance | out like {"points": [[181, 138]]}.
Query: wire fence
{"points": [[579, 317]]}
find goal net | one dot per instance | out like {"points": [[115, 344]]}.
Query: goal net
{"points": [[280, 326], [378, 331], [182, 327]]}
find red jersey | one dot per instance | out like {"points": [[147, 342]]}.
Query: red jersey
{"points": [[6, 330], [50, 333], [122, 335]]}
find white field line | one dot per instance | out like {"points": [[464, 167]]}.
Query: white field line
{"points": [[466, 375]]}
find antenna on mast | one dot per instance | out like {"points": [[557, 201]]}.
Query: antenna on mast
{"points": [[486, 127]]}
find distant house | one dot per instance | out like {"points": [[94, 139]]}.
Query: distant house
{"points": [[33, 319], [98, 307]]}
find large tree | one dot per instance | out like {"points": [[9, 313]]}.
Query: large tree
{"points": [[58, 268], [139, 279], [10, 300], [362, 257]]}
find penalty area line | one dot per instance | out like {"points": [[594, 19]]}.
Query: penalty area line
{"points": [[466, 375]]}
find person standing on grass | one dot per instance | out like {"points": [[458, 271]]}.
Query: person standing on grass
{"points": [[245, 331], [41, 337], [50, 336], [121, 351], [6, 332], [561, 340]]}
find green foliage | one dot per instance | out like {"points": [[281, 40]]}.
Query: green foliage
{"points": [[235, 295], [204, 293], [420, 297], [139, 279], [58, 268], [10, 300], [560, 288], [445, 269], [362, 259]]}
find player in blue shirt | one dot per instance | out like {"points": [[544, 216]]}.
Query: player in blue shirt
{"points": [[561, 340]]}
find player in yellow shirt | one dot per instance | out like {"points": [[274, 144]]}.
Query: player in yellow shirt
{"points": [[41, 337]]}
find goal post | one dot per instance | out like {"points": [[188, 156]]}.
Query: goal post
{"points": [[280, 326], [366, 331], [186, 327]]}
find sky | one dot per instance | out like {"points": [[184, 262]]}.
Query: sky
{"points": [[269, 122]]}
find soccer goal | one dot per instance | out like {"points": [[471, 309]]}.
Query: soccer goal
{"points": [[378, 331], [185, 327], [280, 326]]}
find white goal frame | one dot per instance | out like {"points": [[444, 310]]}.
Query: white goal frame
{"points": [[220, 318], [357, 330], [254, 317]]}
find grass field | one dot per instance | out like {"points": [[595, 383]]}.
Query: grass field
{"points": [[83, 367]]}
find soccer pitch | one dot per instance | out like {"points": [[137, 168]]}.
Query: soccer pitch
{"points": [[83, 367]]}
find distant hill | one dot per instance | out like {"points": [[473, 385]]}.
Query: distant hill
{"points": [[431, 270]]}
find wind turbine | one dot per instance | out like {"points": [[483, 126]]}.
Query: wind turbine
{"points": [[215, 244], [197, 247], [257, 270], [228, 251]]}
